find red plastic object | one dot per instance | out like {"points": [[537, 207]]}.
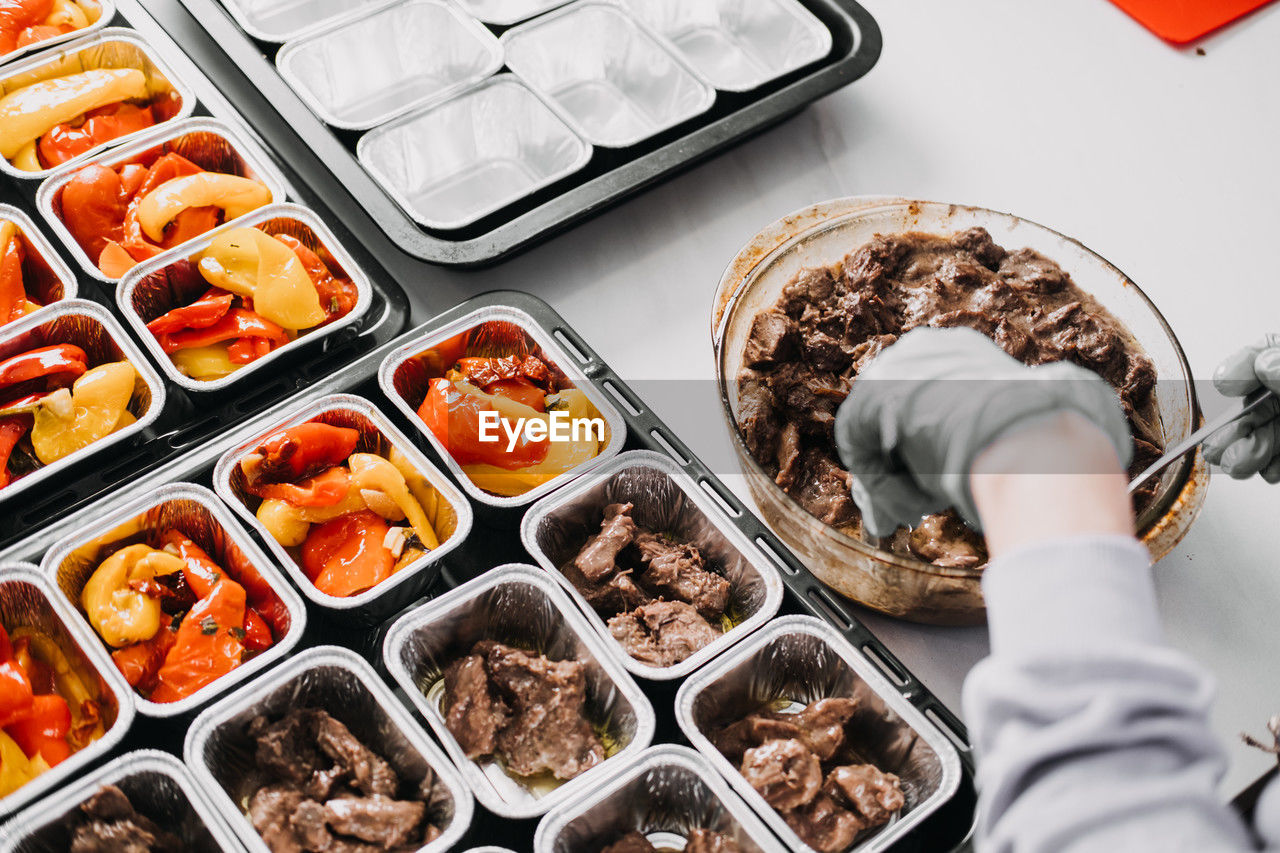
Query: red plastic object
{"points": [[1182, 21]]}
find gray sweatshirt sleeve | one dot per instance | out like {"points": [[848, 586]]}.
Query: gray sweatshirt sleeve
{"points": [[1091, 734]]}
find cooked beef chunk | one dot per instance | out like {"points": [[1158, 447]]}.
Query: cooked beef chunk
{"points": [[308, 826], [824, 489], [1030, 271], [874, 796], [662, 633], [367, 772], [945, 540], [632, 842], [824, 825], [752, 731], [757, 416], [377, 819], [270, 810], [772, 339], [810, 287], [785, 773], [287, 749], [110, 824], [979, 245], [616, 594], [471, 713], [706, 841], [596, 559], [676, 570], [548, 730], [818, 726]]}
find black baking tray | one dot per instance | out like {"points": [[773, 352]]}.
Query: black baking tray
{"points": [[610, 177], [947, 829]]}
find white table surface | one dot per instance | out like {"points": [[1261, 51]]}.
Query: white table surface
{"points": [[1070, 114]]}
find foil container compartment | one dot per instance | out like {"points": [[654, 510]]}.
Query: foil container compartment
{"points": [[197, 513], [453, 517], [520, 605], [504, 13], [106, 11], [610, 77], [666, 500], [90, 327], [738, 45], [409, 54], [158, 786], [54, 279], [211, 144], [452, 163], [220, 752], [28, 600], [666, 793], [171, 279], [279, 21], [403, 377], [114, 47], [803, 659]]}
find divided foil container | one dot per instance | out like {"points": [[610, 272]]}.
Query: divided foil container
{"points": [[242, 157], [156, 286], [221, 754], [377, 435], [28, 600], [403, 379], [279, 21], [409, 54], [609, 76], [89, 326], [115, 47], [738, 45], [58, 282], [803, 659], [157, 785], [196, 512], [667, 501], [504, 13], [106, 11], [667, 792], [520, 605]]}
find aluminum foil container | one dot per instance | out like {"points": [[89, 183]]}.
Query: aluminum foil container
{"points": [[221, 754], [167, 281], [412, 53], [803, 659], [27, 600], [209, 143], [114, 47], [519, 605], [490, 849], [157, 785], [403, 377], [667, 500], [106, 11], [54, 280], [90, 327], [453, 163], [378, 435], [504, 13], [738, 45], [283, 20], [199, 514], [665, 794], [610, 77]]}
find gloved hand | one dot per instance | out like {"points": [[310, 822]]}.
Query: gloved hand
{"points": [[920, 414], [1251, 445]]}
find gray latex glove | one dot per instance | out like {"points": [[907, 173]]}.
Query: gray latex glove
{"points": [[1251, 445], [927, 406]]}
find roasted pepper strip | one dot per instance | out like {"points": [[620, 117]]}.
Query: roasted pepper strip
{"points": [[15, 692], [141, 662], [338, 295], [209, 643], [96, 406], [257, 634], [453, 416], [94, 203], [69, 140], [346, 556], [298, 452], [234, 195], [44, 730], [28, 113], [119, 613], [198, 568], [204, 312], [16, 16], [324, 489], [236, 323], [60, 363], [482, 372], [12, 429], [13, 293]]}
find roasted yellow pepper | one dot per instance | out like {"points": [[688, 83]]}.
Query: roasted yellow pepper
{"points": [[252, 263], [211, 362], [371, 476], [32, 111], [96, 406], [235, 195], [119, 614], [16, 769], [69, 13]]}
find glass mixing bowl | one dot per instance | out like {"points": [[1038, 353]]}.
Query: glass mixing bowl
{"points": [[821, 235]]}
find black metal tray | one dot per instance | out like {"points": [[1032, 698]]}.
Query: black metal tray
{"points": [[947, 829], [189, 420], [610, 177]]}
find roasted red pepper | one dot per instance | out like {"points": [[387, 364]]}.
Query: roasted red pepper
{"points": [[140, 663], [521, 390], [200, 571], [454, 418], [209, 643], [345, 556], [60, 363], [93, 206], [13, 292], [324, 489], [201, 314], [236, 323], [337, 295], [257, 634], [483, 372], [16, 17], [300, 451], [44, 730], [12, 429], [70, 140], [15, 692]]}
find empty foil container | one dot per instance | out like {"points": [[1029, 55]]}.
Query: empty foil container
{"points": [[90, 327], [99, 12], [451, 512], [28, 600], [172, 279], [802, 659], [665, 501], [504, 13], [45, 276], [666, 793], [362, 73], [158, 786], [197, 513], [452, 163], [281, 20], [405, 373], [521, 606], [611, 78], [220, 752], [210, 144], [114, 48], [738, 45]]}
